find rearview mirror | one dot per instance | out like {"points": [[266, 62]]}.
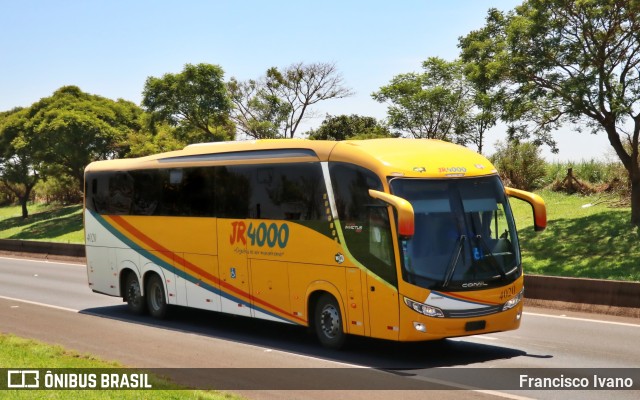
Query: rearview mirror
{"points": [[537, 204], [406, 224]]}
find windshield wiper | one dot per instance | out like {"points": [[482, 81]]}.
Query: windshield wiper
{"points": [[454, 261], [492, 257]]}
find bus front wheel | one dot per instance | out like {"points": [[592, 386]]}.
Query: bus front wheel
{"points": [[156, 300], [328, 322], [134, 298]]}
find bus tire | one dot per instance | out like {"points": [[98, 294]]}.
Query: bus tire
{"points": [[133, 295], [156, 299], [328, 322]]}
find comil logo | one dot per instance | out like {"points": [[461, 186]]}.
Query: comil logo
{"points": [[21, 379], [473, 284]]}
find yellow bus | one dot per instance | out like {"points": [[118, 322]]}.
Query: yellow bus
{"points": [[399, 239]]}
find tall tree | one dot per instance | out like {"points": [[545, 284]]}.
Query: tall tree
{"points": [[343, 127], [434, 104], [19, 168], [73, 128], [488, 94], [576, 62], [195, 98], [299, 87], [258, 112], [154, 138], [483, 53]]}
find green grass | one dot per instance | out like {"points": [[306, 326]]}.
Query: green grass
{"points": [[587, 242], [16, 352], [47, 223]]}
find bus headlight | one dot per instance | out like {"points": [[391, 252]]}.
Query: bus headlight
{"points": [[424, 309], [513, 302]]}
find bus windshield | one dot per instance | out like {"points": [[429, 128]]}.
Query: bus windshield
{"points": [[465, 237]]}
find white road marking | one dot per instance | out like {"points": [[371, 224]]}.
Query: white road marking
{"points": [[39, 304], [78, 264], [598, 321], [422, 378], [472, 388], [265, 349], [504, 394], [268, 350], [484, 337]]}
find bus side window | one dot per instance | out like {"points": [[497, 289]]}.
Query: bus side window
{"points": [[364, 220], [197, 192], [233, 191], [292, 192], [146, 196], [380, 235], [120, 194]]}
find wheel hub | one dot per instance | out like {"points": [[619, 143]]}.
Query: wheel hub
{"points": [[330, 321]]}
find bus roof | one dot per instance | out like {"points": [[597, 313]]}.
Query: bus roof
{"points": [[416, 158], [420, 158]]}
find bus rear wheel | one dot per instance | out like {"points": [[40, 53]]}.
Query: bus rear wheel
{"points": [[133, 295], [156, 300], [328, 322]]}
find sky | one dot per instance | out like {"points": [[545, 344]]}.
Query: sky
{"points": [[110, 47]]}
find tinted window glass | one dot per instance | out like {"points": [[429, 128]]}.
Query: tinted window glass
{"points": [[291, 192], [464, 233], [110, 193], [147, 198], [164, 192], [364, 220], [294, 191], [233, 191]]}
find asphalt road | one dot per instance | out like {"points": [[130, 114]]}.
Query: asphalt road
{"points": [[51, 301]]}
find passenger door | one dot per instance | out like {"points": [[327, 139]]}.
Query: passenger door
{"points": [[384, 318]]}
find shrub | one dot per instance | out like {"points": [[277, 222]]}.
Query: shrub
{"points": [[7, 197], [520, 164], [594, 176], [60, 189]]}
